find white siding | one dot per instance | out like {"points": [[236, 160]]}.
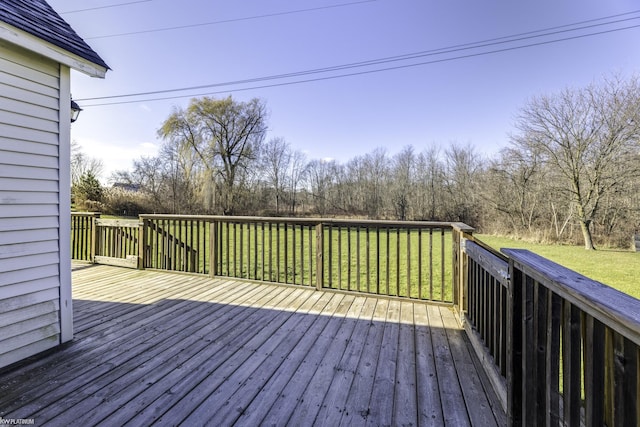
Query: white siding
{"points": [[30, 203]]}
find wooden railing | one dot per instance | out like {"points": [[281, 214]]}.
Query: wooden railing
{"points": [[485, 309], [112, 241], [394, 258], [266, 249], [83, 236], [405, 259], [559, 348], [574, 346], [175, 244], [116, 242]]}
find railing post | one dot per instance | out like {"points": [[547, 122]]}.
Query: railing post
{"points": [[463, 273], [94, 237], [514, 347], [457, 271], [142, 243], [319, 257], [460, 276], [213, 248]]}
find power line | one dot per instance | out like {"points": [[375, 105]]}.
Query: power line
{"points": [[225, 21], [380, 61], [472, 55], [415, 55], [104, 7]]}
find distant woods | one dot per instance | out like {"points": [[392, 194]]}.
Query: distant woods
{"points": [[570, 173]]}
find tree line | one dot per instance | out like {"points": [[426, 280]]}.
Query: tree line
{"points": [[571, 171]]}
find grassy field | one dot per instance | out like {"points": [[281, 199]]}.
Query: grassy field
{"points": [[617, 268], [381, 260], [389, 263], [392, 264]]}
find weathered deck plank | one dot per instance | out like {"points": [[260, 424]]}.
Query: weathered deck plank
{"points": [[451, 395], [362, 386], [381, 404], [405, 405], [428, 396], [153, 347], [250, 385], [334, 402], [482, 410], [153, 371], [312, 398]]}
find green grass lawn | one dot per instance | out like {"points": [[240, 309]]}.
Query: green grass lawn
{"points": [[394, 263], [391, 263], [381, 260], [614, 267]]}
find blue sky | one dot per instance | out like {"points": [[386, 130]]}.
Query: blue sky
{"points": [[471, 100]]}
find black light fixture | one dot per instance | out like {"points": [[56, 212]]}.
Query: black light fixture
{"points": [[75, 111]]}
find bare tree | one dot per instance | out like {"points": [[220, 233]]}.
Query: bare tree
{"points": [[82, 165], [147, 175], [275, 159], [297, 173], [402, 175], [590, 137], [376, 171], [322, 182], [462, 168], [353, 186], [511, 187], [179, 168], [430, 185]]}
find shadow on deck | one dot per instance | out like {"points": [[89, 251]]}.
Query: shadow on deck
{"points": [[179, 349]]}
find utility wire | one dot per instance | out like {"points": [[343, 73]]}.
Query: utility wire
{"points": [[472, 55], [104, 7], [225, 21], [417, 55]]}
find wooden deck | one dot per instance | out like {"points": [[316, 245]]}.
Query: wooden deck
{"points": [[154, 347]]}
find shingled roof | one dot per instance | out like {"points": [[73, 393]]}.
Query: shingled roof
{"points": [[37, 18]]}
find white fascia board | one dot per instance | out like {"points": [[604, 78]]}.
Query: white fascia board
{"points": [[35, 44]]}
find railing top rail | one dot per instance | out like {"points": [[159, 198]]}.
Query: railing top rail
{"points": [[496, 253], [313, 221], [497, 266], [462, 227], [617, 310], [96, 214], [387, 223], [118, 222]]}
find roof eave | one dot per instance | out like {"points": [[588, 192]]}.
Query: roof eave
{"points": [[30, 42]]}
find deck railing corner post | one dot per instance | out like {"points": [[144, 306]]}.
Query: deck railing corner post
{"points": [[213, 248], [459, 260], [142, 243], [463, 274], [515, 398], [319, 256], [94, 236], [464, 282]]}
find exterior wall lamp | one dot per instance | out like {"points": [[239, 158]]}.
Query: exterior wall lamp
{"points": [[75, 111]]}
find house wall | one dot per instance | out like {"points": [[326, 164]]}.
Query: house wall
{"points": [[33, 204]]}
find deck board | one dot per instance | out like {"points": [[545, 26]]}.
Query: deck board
{"points": [[153, 347], [405, 405], [427, 391], [361, 388], [334, 402]]}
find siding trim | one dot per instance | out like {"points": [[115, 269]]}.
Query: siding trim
{"points": [[66, 308]]}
